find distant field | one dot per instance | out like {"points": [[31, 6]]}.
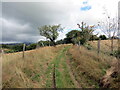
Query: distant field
{"points": [[63, 66], [105, 45]]}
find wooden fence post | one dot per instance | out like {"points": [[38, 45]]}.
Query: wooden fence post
{"points": [[2, 51], [118, 47], [78, 46], [23, 50], [79, 43], [99, 45], [49, 43], [42, 44]]}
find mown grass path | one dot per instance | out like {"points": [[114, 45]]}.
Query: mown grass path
{"points": [[58, 73]]}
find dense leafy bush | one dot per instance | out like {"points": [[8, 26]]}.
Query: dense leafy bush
{"points": [[31, 46], [93, 37], [18, 47], [9, 51], [102, 37]]}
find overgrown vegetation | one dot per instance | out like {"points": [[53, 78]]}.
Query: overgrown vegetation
{"points": [[36, 69], [87, 66]]}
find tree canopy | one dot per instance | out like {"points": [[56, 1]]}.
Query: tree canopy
{"points": [[103, 37], [50, 32], [73, 36], [82, 35]]}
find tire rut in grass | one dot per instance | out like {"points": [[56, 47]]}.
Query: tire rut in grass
{"points": [[59, 79], [63, 78], [54, 79]]}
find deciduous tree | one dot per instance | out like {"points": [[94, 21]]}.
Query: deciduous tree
{"points": [[50, 32]]}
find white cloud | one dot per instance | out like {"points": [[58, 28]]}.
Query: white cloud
{"points": [[25, 18]]}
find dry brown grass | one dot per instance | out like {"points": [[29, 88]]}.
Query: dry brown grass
{"points": [[88, 66], [30, 71], [105, 45]]}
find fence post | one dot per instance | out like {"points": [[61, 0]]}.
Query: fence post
{"points": [[118, 47], [2, 51], [99, 45], [79, 43], [42, 44], [49, 43], [78, 46], [23, 50]]}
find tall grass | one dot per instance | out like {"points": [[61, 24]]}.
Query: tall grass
{"points": [[36, 69], [30, 71], [88, 67]]}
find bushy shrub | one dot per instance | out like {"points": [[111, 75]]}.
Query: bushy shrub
{"points": [[102, 37], [31, 46], [93, 37], [18, 47], [9, 51]]}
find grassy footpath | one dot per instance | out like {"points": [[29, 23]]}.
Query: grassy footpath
{"points": [[62, 77]]}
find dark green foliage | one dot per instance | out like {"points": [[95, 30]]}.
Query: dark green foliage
{"points": [[10, 51], [31, 46], [60, 42], [93, 37], [67, 40], [18, 47], [103, 37], [12, 47], [82, 35], [73, 36], [4, 46]]}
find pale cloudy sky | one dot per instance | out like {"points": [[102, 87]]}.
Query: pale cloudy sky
{"points": [[21, 18]]}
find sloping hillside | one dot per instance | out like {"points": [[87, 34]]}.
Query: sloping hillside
{"points": [[63, 66]]}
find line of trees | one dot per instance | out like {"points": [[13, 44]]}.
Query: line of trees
{"points": [[74, 36], [51, 32]]}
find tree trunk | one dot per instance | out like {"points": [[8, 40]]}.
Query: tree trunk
{"points": [[54, 44]]}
